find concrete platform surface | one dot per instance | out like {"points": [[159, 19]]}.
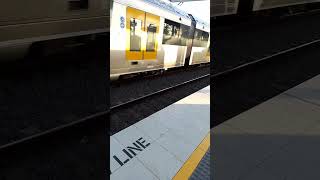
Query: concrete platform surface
{"points": [[278, 139], [165, 145]]}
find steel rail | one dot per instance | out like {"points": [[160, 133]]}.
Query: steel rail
{"points": [[264, 59], [100, 115], [96, 116]]}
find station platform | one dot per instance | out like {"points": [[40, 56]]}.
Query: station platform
{"points": [[278, 139], [169, 144]]}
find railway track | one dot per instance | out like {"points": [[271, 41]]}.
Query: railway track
{"points": [[262, 60], [241, 88], [242, 43], [103, 115], [118, 106], [99, 118], [125, 91]]}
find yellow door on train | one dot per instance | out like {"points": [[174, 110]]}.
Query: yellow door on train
{"points": [[152, 31], [135, 30]]}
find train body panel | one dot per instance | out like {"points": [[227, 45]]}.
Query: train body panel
{"points": [[25, 22], [201, 43], [122, 59], [38, 10], [175, 41], [199, 55], [174, 56], [134, 23], [39, 31]]}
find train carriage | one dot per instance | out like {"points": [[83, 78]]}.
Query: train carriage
{"points": [[148, 35], [26, 23], [200, 50]]}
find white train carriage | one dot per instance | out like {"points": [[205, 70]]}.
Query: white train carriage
{"points": [[148, 35], [200, 46], [23, 23]]}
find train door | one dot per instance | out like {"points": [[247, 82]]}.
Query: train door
{"points": [[152, 29], [142, 32], [135, 27]]}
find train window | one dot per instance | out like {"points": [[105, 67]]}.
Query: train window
{"points": [[198, 35], [169, 34], [204, 39], [135, 34], [184, 34], [151, 37], [78, 4], [195, 35], [175, 33], [201, 38], [205, 36], [196, 39]]}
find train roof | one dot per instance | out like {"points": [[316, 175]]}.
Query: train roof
{"points": [[168, 7], [175, 10]]}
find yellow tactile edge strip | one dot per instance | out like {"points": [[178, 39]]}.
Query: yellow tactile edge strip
{"points": [[190, 165]]}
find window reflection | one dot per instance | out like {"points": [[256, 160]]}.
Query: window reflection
{"points": [[175, 33], [151, 37], [135, 34], [201, 38]]}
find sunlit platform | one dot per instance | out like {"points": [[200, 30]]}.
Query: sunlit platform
{"points": [[166, 145], [278, 139]]}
